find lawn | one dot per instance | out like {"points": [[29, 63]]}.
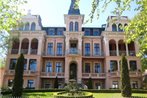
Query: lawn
{"points": [[96, 95]]}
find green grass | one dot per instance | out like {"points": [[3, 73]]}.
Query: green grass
{"points": [[96, 95]]}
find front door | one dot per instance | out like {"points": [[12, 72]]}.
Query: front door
{"points": [[73, 71]]}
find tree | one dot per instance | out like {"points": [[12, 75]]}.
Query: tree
{"points": [[125, 79], [56, 83], [10, 14], [18, 78], [90, 84]]}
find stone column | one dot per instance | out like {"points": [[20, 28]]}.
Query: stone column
{"points": [[66, 73], [20, 46], [117, 50], [127, 50], [79, 74], [29, 52], [39, 50]]}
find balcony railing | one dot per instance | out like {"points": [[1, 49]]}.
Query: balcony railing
{"points": [[73, 51], [26, 72], [24, 51], [14, 51], [131, 73], [122, 53], [94, 75], [132, 53], [33, 51], [113, 53], [53, 54], [98, 54], [53, 74]]}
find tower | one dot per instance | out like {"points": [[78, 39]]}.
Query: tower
{"points": [[73, 43]]}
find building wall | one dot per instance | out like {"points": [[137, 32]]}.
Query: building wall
{"points": [[51, 64]]}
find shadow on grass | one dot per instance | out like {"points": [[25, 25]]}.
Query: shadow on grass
{"points": [[137, 97]]}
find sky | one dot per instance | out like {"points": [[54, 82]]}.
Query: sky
{"points": [[52, 11]]}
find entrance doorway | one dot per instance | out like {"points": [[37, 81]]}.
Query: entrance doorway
{"points": [[73, 71]]}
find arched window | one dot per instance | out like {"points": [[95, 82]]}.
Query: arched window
{"points": [[76, 26], [33, 26], [34, 46], [27, 25], [71, 26], [25, 46], [120, 28], [114, 27]]}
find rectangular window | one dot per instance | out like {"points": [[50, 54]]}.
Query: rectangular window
{"points": [[87, 67], [134, 84], [33, 64], [12, 64], [59, 67], [50, 49], [48, 67], [113, 66], [115, 84], [31, 84], [10, 83], [87, 49], [60, 32], [133, 65], [97, 68], [87, 32], [96, 33], [59, 49], [51, 32], [96, 49], [25, 64]]}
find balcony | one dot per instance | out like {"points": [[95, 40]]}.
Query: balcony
{"points": [[94, 75], [135, 74], [52, 75], [132, 53], [26, 72], [94, 55], [14, 51], [117, 74], [113, 53], [122, 52], [114, 74], [24, 51], [33, 51], [57, 55], [73, 51]]}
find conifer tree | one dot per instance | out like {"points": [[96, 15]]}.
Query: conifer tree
{"points": [[56, 83], [125, 79], [90, 85], [18, 78]]}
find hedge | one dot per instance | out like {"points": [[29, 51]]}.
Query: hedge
{"points": [[88, 90]]}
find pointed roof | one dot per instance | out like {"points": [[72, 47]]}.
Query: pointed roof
{"points": [[73, 10]]}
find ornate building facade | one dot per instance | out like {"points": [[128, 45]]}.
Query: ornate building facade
{"points": [[72, 52]]}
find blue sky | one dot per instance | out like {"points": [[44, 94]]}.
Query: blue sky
{"points": [[52, 11]]}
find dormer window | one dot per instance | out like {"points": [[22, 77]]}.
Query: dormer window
{"points": [[71, 26], [76, 26], [114, 27], [60, 32], [33, 26], [87, 32], [96, 32], [51, 32], [27, 25]]}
